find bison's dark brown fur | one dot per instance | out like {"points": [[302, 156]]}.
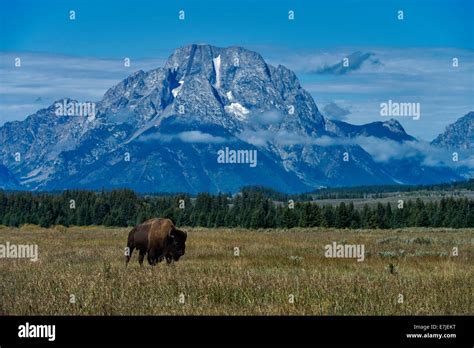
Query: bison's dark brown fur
{"points": [[158, 238]]}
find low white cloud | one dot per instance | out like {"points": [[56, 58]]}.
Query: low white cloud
{"points": [[262, 137], [186, 137], [267, 117], [334, 111], [382, 150], [199, 137]]}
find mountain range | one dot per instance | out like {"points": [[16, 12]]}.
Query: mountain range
{"points": [[162, 130], [459, 135]]}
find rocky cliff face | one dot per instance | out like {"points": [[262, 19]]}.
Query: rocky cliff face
{"points": [[459, 135], [162, 130]]}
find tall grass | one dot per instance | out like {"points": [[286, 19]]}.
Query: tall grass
{"points": [[273, 264]]}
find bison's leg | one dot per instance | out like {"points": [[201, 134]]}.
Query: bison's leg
{"points": [[151, 261], [152, 257], [128, 254], [130, 246], [141, 257]]}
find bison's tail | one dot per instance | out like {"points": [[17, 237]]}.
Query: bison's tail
{"points": [[130, 247]]}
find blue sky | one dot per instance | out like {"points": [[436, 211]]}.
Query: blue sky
{"points": [[114, 28], [82, 58]]}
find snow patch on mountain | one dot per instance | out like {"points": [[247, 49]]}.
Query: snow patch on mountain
{"points": [[239, 111], [176, 90], [217, 68]]}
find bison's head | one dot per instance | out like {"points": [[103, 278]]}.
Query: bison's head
{"points": [[178, 243]]}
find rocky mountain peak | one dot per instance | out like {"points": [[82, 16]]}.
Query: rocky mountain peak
{"points": [[208, 84], [170, 122], [390, 129], [459, 135], [394, 126]]}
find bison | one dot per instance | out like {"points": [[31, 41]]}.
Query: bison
{"points": [[158, 238]]}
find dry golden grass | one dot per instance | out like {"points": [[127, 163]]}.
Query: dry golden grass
{"points": [[88, 262]]}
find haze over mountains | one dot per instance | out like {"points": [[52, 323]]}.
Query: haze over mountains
{"points": [[161, 131]]}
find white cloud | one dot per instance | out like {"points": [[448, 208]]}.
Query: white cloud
{"points": [[424, 75], [381, 149], [199, 137], [44, 78], [186, 137], [267, 117]]}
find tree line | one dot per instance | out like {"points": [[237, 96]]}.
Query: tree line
{"points": [[248, 209], [380, 191]]}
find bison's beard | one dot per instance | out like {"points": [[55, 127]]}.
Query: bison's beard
{"points": [[174, 256]]}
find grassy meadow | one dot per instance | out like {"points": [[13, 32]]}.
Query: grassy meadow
{"points": [[273, 267]]}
